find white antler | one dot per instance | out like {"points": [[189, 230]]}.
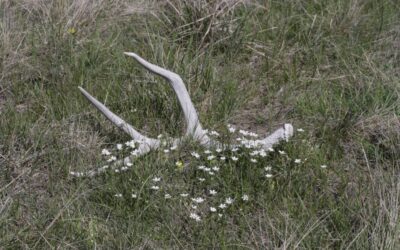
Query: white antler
{"points": [[194, 128]]}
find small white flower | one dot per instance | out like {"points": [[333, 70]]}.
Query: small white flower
{"points": [[159, 136], [213, 209], [134, 196], [116, 170], [129, 164], [105, 152], [220, 215], [222, 158], [245, 197], [207, 152], [119, 195], [253, 134], [155, 187], [195, 155], [253, 160], [218, 150], [211, 173], [254, 153], [156, 179], [124, 168], [173, 148], [194, 207], [268, 168], [268, 175], [184, 195], [297, 161], [135, 152], [235, 149], [210, 157], [232, 130], [324, 166], [229, 201], [201, 179], [216, 169], [130, 144], [213, 192], [201, 167], [300, 130], [195, 217], [234, 158], [282, 152], [271, 150], [222, 206], [112, 158], [167, 196], [198, 200], [263, 153], [166, 151], [119, 146], [238, 139], [207, 169], [243, 132], [215, 133]]}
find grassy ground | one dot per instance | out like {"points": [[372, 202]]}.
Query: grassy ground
{"points": [[328, 67]]}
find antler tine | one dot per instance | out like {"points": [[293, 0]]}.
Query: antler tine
{"points": [[120, 123], [279, 135], [194, 127]]}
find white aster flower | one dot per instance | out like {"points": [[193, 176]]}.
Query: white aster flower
{"points": [[213, 209], [195, 155], [130, 144], [213, 192], [201, 179], [215, 133], [207, 169], [210, 157], [235, 149], [156, 179], [253, 160], [159, 136], [222, 158], [129, 164], [155, 187], [195, 217], [166, 151], [263, 153], [119, 195], [234, 158], [229, 201], [324, 166], [300, 130], [222, 206], [167, 196], [271, 150], [211, 173], [124, 168], [173, 148], [268, 168], [105, 152], [281, 152], [116, 170], [207, 152], [198, 200], [135, 152], [268, 175], [201, 167], [194, 207], [134, 196], [297, 161], [216, 169], [119, 146], [112, 158], [184, 195], [245, 197], [218, 150]]}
